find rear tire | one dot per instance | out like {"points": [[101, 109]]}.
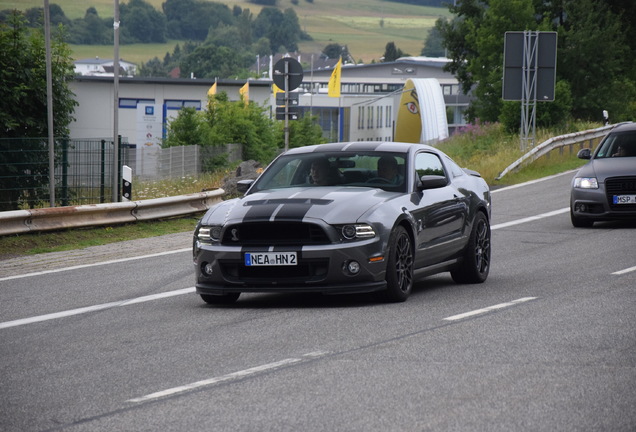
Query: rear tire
{"points": [[475, 264], [220, 299], [399, 269]]}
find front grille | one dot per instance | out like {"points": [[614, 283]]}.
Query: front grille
{"points": [[305, 271], [274, 234], [620, 186]]}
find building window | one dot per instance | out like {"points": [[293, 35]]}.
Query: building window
{"points": [[379, 117], [175, 104], [388, 115], [370, 122], [133, 102]]}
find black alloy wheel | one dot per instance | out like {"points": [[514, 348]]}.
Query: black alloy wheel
{"points": [[475, 264], [399, 270]]}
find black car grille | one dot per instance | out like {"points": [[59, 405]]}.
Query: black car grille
{"points": [[274, 234], [620, 186], [305, 271]]}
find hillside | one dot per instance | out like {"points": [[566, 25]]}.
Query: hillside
{"points": [[365, 26]]}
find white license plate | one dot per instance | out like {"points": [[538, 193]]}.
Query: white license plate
{"points": [[271, 259], [624, 199]]}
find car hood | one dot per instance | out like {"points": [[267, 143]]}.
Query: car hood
{"points": [[609, 167], [333, 205]]}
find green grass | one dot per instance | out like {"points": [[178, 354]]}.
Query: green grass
{"points": [[134, 53], [488, 150]]}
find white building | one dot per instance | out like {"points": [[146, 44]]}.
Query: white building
{"points": [[103, 67]]}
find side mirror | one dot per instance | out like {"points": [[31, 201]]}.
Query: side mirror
{"points": [[585, 153], [243, 185], [432, 182]]}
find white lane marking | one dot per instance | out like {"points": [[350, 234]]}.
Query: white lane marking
{"points": [[95, 264], [531, 182], [488, 309], [229, 377], [95, 308], [530, 218], [627, 270]]}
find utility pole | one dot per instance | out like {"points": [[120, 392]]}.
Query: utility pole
{"points": [[49, 102], [115, 182]]}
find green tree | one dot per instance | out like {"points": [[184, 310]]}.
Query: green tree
{"points": [[433, 44], [23, 107], [303, 132], [192, 19], [142, 23], [91, 30], [281, 28], [227, 122], [210, 61], [392, 53], [594, 57], [188, 128]]}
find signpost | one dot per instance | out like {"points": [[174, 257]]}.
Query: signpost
{"points": [[288, 74], [529, 74]]}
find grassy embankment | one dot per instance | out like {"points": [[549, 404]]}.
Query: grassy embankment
{"points": [[487, 150]]}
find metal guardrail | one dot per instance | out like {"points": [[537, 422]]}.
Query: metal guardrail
{"points": [[558, 142], [54, 218]]}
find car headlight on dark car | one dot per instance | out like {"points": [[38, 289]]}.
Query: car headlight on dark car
{"points": [[357, 231], [586, 183], [209, 234]]}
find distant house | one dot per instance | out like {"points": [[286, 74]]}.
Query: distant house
{"points": [[103, 67]]}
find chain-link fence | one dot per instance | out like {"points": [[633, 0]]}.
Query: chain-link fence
{"points": [[83, 172], [83, 168]]}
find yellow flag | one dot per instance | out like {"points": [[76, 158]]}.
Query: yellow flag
{"points": [[212, 90], [245, 92], [334, 81]]}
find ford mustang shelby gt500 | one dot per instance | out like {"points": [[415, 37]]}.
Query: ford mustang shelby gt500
{"points": [[346, 218]]}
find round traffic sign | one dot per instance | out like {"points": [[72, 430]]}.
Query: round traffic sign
{"points": [[287, 69]]}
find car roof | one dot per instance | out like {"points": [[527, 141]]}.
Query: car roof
{"points": [[379, 146], [624, 127]]}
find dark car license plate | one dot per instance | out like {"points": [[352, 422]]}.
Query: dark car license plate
{"points": [[270, 259]]}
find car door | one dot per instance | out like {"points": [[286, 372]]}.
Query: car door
{"points": [[439, 212]]}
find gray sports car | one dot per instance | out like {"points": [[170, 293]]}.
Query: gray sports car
{"points": [[346, 218], [605, 188]]}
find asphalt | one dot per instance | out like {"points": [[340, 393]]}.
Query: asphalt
{"points": [[94, 254]]}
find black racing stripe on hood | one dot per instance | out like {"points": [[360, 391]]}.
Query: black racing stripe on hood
{"points": [[283, 208], [297, 208], [259, 210]]}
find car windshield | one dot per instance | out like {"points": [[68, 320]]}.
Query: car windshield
{"points": [[382, 170], [618, 144]]}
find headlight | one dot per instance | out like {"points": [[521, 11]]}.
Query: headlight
{"points": [[209, 234], [586, 183], [358, 231]]}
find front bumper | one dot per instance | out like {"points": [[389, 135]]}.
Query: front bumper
{"points": [[320, 268], [593, 204]]}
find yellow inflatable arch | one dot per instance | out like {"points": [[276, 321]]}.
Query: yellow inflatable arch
{"points": [[421, 114]]}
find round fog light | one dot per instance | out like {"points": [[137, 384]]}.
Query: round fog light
{"points": [[353, 267], [207, 269]]}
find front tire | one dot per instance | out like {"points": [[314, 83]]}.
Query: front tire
{"points": [[578, 222], [475, 264], [399, 269], [220, 299]]}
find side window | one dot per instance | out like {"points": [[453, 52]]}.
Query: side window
{"points": [[428, 164]]}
